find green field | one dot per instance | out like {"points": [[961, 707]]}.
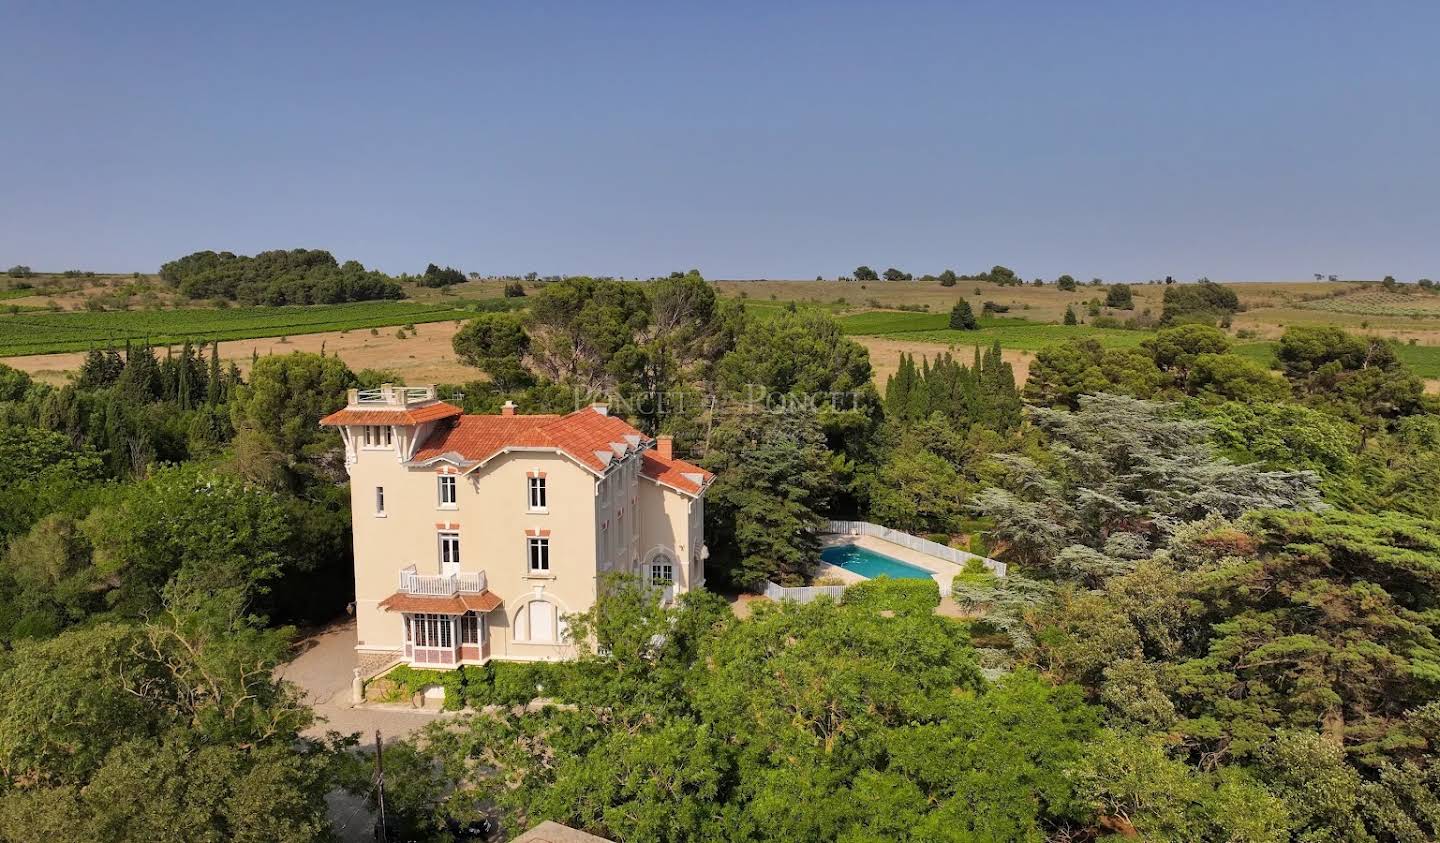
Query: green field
{"points": [[1020, 334], [1023, 335], [48, 333]]}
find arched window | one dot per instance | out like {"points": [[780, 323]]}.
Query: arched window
{"points": [[662, 569], [539, 622]]}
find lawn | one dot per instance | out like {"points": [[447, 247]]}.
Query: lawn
{"points": [[48, 333]]}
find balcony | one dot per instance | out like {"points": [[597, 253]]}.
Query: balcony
{"points": [[441, 585], [390, 395]]}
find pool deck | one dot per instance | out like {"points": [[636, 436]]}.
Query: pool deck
{"points": [[943, 570]]}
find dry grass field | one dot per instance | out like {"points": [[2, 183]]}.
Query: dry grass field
{"points": [[425, 357]]}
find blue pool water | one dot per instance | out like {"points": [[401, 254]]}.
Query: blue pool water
{"points": [[868, 563]]}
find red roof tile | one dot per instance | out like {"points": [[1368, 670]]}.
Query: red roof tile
{"points": [[456, 604], [419, 415], [580, 435], [676, 473]]}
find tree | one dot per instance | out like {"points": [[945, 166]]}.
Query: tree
{"points": [[1060, 374], [893, 274], [917, 491], [1122, 476], [802, 353], [774, 481], [1070, 318], [583, 331], [865, 273], [434, 276], [172, 730], [1203, 302], [496, 344], [1004, 276], [286, 398], [1120, 296], [948, 278], [962, 318], [1066, 283]]}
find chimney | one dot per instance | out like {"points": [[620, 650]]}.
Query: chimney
{"points": [[508, 408], [665, 447], [601, 408]]}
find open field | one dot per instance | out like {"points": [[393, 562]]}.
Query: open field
{"points": [[47, 341], [46, 333], [425, 357]]}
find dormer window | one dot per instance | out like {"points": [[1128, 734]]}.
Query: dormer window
{"points": [[538, 498], [447, 491]]}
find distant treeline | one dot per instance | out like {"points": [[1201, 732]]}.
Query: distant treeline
{"points": [[297, 276]]}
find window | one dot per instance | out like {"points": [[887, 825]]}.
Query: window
{"points": [[430, 630], [380, 500], [541, 621], [447, 490], [449, 552], [378, 436], [539, 555], [662, 572], [470, 628], [537, 493]]}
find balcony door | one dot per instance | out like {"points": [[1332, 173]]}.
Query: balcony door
{"points": [[449, 554]]}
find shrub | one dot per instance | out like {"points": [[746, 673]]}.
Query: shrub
{"points": [[884, 593], [514, 290], [939, 538], [402, 683]]}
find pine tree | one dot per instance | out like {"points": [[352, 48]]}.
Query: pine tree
{"points": [[962, 318], [1070, 315]]}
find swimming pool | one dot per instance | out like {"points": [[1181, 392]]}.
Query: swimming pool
{"points": [[868, 563]]}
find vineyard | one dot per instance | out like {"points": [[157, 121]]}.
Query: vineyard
{"points": [[48, 333], [1019, 334], [1379, 303]]}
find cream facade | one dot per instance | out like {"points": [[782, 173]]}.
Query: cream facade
{"points": [[475, 536]]}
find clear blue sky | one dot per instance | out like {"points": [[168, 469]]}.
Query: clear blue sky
{"points": [[780, 139]]}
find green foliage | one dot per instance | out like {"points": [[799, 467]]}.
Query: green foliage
{"points": [[1066, 283], [1203, 302], [171, 730], [962, 318], [1120, 296], [803, 353], [286, 398], [1123, 475], [49, 333], [775, 479], [865, 273], [496, 344], [297, 276], [894, 595], [434, 276]]}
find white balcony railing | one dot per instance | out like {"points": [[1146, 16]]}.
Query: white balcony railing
{"points": [[441, 585], [391, 394]]}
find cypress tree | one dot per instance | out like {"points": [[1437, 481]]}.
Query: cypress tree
{"points": [[213, 386], [1070, 315]]}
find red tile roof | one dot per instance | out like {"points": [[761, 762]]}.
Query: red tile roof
{"points": [[419, 415], [579, 435], [676, 473], [455, 604]]}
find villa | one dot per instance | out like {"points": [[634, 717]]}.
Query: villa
{"points": [[476, 534]]}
